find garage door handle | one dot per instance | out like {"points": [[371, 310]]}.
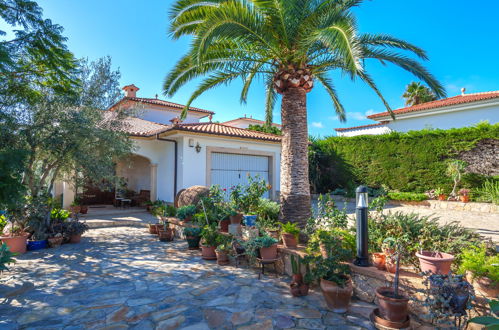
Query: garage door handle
{"points": [[239, 175]]}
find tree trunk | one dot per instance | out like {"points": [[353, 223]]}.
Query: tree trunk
{"points": [[295, 186]]}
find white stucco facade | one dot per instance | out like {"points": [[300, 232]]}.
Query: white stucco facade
{"points": [[371, 130]]}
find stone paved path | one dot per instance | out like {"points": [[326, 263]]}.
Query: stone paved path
{"points": [[125, 278]]}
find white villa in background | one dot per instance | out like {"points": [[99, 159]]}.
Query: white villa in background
{"points": [[172, 155], [245, 122], [453, 112]]}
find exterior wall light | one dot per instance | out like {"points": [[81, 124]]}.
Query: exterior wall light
{"points": [[198, 148], [361, 208], [191, 143]]}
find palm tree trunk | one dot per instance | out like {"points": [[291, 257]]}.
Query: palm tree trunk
{"points": [[295, 186]]}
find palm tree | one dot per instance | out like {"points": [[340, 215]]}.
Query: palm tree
{"points": [[417, 93], [290, 45]]}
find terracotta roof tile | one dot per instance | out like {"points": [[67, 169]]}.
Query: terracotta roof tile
{"points": [[161, 103], [220, 129], [136, 126], [460, 99]]}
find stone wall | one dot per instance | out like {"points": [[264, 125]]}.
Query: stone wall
{"points": [[483, 158]]}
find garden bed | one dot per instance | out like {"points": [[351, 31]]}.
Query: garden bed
{"points": [[367, 279]]}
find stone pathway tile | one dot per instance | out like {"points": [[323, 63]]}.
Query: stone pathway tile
{"points": [[124, 278]]}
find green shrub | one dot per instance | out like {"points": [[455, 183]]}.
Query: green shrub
{"points": [[192, 231], [479, 263], [417, 232], [407, 196], [290, 228], [489, 192], [413, 161], [59, 214], [186, 211], [5, 257], [210, 235]]}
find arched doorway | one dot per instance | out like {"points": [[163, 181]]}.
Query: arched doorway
{"points": [[138, 175]]}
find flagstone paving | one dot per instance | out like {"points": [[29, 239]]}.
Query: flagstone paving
{"points": [[123, 277]]}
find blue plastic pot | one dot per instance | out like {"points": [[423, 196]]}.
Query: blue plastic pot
{"points": [[37, 245], [250, 220]]}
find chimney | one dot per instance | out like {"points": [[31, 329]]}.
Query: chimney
{"points": [[463, 91], [130, 90]]}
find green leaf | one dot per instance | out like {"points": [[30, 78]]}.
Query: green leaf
{"points": [[485, 320], [494, 306]]}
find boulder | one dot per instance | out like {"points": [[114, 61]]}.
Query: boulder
{"points": [[191, 195]]}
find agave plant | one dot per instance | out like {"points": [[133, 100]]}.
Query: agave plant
{"points": [[290, 45]]}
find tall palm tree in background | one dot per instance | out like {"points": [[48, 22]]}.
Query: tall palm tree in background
{"points": [[417, 93], [290, 45]]}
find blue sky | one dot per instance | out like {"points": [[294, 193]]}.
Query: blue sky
{"points": [[461, 38]]}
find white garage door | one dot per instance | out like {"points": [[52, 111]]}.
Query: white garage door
{"points": [[228, 170]]}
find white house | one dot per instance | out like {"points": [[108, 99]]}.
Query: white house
{"points": [[453, 112], [171, 155], [245, 122]]}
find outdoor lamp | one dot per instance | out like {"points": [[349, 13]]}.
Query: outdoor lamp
{"points": [[361, 212], [198, 148]]}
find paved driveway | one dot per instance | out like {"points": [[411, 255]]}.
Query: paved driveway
{"points": [[125, 278]]}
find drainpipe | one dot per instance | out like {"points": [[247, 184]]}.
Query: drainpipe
{"points": [[175, 170]]}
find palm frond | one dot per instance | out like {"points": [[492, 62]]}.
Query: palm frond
{"points": [[327, 83], [392, 42]]}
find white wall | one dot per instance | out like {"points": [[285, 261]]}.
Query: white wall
{"points": [[374, 130], [193, 164], [447, 120], [162, 154], [137, 172]]}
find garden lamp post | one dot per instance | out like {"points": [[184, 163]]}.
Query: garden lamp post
{"points": [[361, 212]]}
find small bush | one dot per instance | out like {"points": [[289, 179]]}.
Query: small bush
{"points": [[476, 260], [489, 192], [417, 232], [186, 211], [407, 196]]}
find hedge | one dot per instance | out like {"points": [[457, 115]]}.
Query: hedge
{"points": [[414, 161]]}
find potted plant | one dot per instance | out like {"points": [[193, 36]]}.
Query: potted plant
{"points": [[379, 260], [210, 240], [435, 262], [74, 229], [299, 285], [75, 207], [439, 192], [55, 241], [223, 250], [464, 195], [14, 235], [290, 233], [268, 247], [331, 267], [390, 251], [83, 209], [447, 299], [481, 269], [185, 213], [393, 305], [193, 236], [235, 216], [165, 233]]}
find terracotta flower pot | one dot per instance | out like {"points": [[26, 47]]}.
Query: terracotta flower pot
{"points": [[153, 229], [193, 242], [442, 197], [16, 244], [274, 234], [304, 289], [159, 226], [390, 266], [224, 226], [75, 239], [208, 252], [483, 285], [55, 242], [464, 198], [294, 289], [165, 235], [269, 253], [236, 219], [222, 257], [297, 278], [83, 209], [75, 209], [379, 260], [289, 240], [435, 262], [394, 309], [337, 298]]}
